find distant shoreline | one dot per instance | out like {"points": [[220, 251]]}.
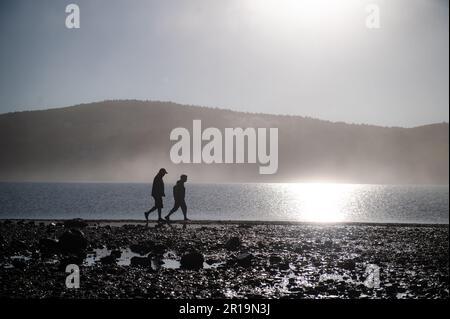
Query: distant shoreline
{"points": [[120, 222]]}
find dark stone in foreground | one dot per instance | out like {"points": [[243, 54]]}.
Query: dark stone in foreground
{"points": [[192, 260], [234, 243], [142, 248], [73, 241], [244, 259], [108, 260], [75, 223], [49, 246], [141, 261]]}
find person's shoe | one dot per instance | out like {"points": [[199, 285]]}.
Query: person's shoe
{"points": [[160, 220], [167, 218], [186, 219], [146, 216]]}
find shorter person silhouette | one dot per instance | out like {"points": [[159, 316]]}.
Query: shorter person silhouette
{"points": [[178, 194]]}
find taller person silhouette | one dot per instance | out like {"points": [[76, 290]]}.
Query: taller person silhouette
{"points": [[157, 194]]}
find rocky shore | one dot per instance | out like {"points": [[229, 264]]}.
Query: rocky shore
{"points": [[223, 260]]}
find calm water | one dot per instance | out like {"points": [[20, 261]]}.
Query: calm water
{"points": [[276, 202]]}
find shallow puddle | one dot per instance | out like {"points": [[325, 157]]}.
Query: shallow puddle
{"points": [[169, 260], [8, 262]]}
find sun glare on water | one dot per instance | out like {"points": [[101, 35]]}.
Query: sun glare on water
{"points": [[323, 202]]}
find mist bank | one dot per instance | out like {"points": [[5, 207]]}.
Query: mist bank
{"points": [[130, 141]]}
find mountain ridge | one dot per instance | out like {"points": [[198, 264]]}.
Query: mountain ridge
{"points": [[127, 140], [215, 108]]}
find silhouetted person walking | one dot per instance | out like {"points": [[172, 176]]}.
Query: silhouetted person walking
{"points": [[157, 193], [179, 193]]}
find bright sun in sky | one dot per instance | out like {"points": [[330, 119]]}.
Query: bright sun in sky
{"points": [[302, 13]]}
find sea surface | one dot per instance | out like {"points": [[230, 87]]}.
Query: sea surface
{"points": [[264, 202]]}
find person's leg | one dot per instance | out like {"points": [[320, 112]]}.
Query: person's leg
{"points": [[159, 213], [184, 209], [173, 210], [149, 211], [159, 206]]}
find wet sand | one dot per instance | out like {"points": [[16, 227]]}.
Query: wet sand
{"points": [[224, 259]]}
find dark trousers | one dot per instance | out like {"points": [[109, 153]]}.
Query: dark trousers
{"points": [[178, 204], [158, 206]]}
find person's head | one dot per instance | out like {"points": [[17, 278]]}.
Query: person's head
{"points": [[183, 178], [162, 172]]}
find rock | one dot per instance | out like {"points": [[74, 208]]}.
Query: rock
{"points": [[51, 227], [18, 246], [284, 266], [142, 248], [353, 294], [192, 260], [348, 264], [212, 261], [108, 260], [75, 223], [73, 241], [116, 253], [234, 243], [19, 263], [48, 246], [159, 249], [140, 261], [274, 259], [244, 259]]}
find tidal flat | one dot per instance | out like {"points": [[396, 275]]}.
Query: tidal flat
{"points": [[223, 260]]}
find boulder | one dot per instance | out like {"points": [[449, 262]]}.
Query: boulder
{"points": [[73, 241], [159, 249], [192, 260], [19, 263], [140, 261], [108, 260], [142, 248], [116, 253], [48, 246], [51, 227], [274, 259], [75, 223], [18, 246], [244, 259], [348, 264], [234, 243]]}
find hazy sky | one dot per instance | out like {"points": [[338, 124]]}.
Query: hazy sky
{"points": [[306, 57]]}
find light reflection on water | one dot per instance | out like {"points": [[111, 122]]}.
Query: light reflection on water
{"points": [[320, 202]]}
